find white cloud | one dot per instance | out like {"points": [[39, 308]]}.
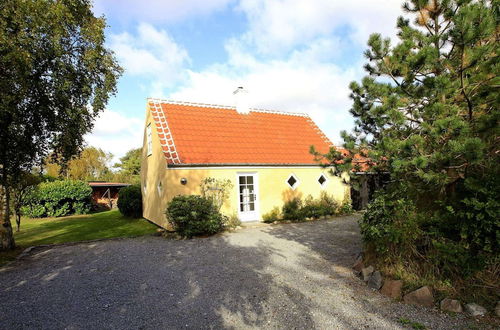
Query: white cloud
{"points": [[278, 26], [299, 83], [158, 10], [113, 132], [153, 54]]}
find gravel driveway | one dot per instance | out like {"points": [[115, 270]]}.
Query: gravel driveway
{"points": [[293, 276]]}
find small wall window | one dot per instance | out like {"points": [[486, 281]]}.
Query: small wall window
{"points": [[323, 180], [149, 140], [292, 181], [160, 188], [145, 187]]}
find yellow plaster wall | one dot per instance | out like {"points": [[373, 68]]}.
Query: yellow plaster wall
{"points": [[153, 170], [272, 187]]}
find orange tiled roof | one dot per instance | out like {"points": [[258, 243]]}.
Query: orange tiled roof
{"points": [[207, 134]]}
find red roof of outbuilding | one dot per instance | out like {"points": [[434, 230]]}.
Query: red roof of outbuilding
{"points": [[207, 134]]}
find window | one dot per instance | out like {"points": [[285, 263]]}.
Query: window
{"points": [[149, 141], [292, 181], [145, 187], [322, 180], [160, 188]]}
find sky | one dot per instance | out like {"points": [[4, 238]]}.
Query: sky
{"points": [[290, 55]]}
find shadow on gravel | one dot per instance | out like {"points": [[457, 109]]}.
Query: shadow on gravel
{"points": [[337, 240], [146, 283]]}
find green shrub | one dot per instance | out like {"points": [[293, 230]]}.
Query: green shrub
{"points": [[58, 198], [272, 216], [232, 221], [389, 225], [328, 203], [346, 207], [130, 201], [292, 210], [192, 215], [312, 208]]}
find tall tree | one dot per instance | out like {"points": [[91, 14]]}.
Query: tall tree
{"points": [[129, 167], [56, 76], [91, 164], [428, 112]]}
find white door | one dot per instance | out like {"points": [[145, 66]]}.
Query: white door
{"points": [[247, 197]]}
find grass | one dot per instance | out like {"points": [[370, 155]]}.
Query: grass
{"points": [[109, 224], [413, 325]]}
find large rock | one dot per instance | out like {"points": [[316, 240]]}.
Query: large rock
{"points": [[497, 309], [358, 265], [475, 309], [392, 288], [375, 281], [422, 297], [366, 273], [451, 305]]}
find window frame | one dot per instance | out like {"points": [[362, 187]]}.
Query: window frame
{"points": [[296, 184], [324, 184]]}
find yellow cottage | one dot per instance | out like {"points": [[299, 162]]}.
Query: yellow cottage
{"points": [[264, 153]]}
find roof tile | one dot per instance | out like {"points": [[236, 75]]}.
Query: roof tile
{"points": [[221, 135]]}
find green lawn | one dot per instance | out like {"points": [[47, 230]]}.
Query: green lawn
{"points": [[76, 228]]}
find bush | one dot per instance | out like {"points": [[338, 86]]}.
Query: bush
{"points": [[329, 205], [192, 215], [292, 210], [272, 216], [313, 208], [232, 221], [130, 201], [389, 225], [58, 198]]}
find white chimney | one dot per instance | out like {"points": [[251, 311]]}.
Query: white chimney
{"points": [[241, 100]]}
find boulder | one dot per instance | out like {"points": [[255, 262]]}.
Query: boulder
{"points": [[366, 273], [422, 297], [358, 265], [375, 280], [392, 288], [497, 309], [475, 309], [451, 305]]}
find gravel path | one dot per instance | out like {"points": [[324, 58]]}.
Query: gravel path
{"points": [[293, 276]]}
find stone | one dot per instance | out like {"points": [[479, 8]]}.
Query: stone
{"points": [[451, 305], [392, 288], [497, 309], [475, 309], [366, 273], [422, 297], [358, 265], [375, 280]]}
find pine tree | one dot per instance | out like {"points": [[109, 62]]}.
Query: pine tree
{"points": [[427, 114]]}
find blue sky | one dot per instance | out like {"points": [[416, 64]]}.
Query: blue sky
{"points": [[291, 55]]}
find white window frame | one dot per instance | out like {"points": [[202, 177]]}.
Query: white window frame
{"points": [[297, 181], [149, 140], [324, 184]]}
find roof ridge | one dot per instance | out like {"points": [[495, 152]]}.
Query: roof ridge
{"points": [[227, 107]]}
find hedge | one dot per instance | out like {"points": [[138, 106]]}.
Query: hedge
{"points": [[58, 199]]}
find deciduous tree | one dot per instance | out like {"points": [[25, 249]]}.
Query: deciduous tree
{"points": [[56, 76]]}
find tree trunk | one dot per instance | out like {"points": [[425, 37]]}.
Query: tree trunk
{"points": [[6, 235], [18, 221]]}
